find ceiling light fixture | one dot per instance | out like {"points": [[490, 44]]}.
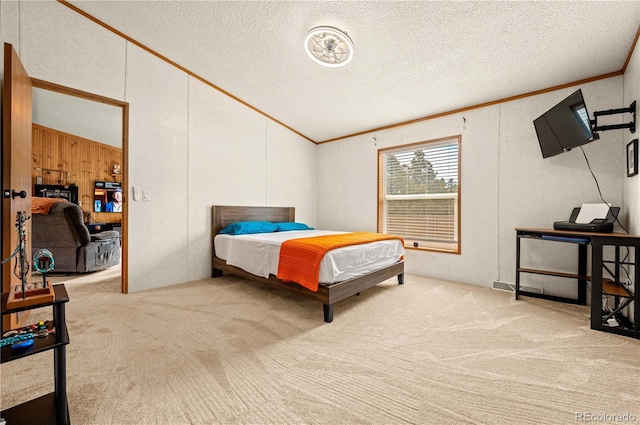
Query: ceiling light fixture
{"points": [[329, 47]]}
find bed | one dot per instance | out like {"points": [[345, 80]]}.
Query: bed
{"points": [[328, 294]]}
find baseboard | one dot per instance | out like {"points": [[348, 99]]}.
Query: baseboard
{"points": [[511, 287]]}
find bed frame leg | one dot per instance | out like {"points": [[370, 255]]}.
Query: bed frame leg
{"points": [[328, 312], [401, 279], [216, 273]]}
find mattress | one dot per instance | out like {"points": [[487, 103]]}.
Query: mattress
{"points": [[259, 254]]}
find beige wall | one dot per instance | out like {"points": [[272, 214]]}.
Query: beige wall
{"points": [[505, 183], [189, 145], [632, 184]]}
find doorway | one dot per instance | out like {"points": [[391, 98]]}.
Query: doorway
{"points": [[103, 111]]}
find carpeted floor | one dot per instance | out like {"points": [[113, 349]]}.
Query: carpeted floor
{"points": [[229, 351]]}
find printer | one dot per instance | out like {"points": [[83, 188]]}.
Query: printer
{"points": [[603, 224]]}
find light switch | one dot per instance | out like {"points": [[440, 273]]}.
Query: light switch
{"points": [[146, 195], [136, 193]]}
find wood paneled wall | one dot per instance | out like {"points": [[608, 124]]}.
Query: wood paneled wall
{"points": [[64, 159]]}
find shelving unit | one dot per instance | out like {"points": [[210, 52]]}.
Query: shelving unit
{"points": [[49, 409], [616, 279]]}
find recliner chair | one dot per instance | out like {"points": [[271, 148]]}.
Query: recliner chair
{"points": [[74, 250]]}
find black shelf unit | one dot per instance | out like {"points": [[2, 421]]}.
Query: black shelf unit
{"points": [[609, 276], [52, 408]]}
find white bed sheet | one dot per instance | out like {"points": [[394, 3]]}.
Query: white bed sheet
{"points": [[259, 254]]}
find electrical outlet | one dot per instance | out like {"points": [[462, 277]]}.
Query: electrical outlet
{"points": [[146, 195]]}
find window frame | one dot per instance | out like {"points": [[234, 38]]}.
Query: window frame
{"points": [[450, 248]]}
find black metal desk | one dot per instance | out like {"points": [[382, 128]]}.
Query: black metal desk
{"points": [[577, 238], [606, 277]]}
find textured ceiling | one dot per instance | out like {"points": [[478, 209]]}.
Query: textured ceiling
{"points": [[412, 59]]}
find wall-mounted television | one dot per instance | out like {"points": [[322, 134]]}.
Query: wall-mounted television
{"points": [[565, 126], [107, 197]]}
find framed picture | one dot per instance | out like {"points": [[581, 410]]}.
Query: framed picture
{"points": [[632, 158], [70, 193]]}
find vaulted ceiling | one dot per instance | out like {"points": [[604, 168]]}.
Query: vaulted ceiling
{"points": [[412, 58]]}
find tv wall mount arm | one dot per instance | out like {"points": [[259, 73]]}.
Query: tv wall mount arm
{"points": [[630, 125]]}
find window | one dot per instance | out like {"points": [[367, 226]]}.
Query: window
{"points": [[419, 194]]}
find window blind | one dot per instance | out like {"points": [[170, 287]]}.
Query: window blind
{"points": [[418, 193]]}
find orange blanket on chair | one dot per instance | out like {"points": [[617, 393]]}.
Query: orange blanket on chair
{"points": [[300, 258], [43, 205]]}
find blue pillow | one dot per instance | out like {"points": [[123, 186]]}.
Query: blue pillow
{"points": [[249, 227], [289, 225]]}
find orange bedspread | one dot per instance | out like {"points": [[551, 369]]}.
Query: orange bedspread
{"points": [[300, 258]]}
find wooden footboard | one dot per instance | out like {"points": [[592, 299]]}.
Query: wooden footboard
{"points": [[327, 295]]}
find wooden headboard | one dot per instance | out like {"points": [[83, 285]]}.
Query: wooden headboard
{"points": [[223, 215]]}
